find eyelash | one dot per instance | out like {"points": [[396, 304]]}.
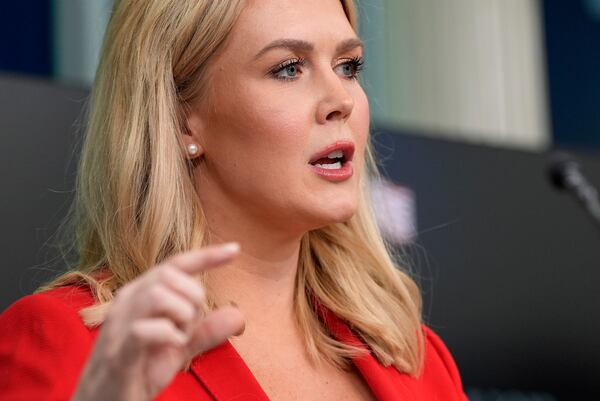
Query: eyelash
{"points": [[356, 62]]}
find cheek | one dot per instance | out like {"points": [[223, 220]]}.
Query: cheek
{"points": [[262, 139], [359, 123], [276, 133], [270, 111]]}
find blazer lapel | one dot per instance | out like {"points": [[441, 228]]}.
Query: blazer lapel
{"points": [[225, 375], [386, 383]]}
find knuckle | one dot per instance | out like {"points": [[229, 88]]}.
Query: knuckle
{"points": [[165, 273], [163, 325], [199, 296], [194, 292], [137, 331], [123, 292], [156, 296], [188, 312], [112, 354], [174, 259]]}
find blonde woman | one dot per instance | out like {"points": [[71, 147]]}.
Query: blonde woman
{"points": [[227, 250]]}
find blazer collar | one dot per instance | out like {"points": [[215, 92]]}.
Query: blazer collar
{"points": [[216, 369], [226, 376], [386, 383]]}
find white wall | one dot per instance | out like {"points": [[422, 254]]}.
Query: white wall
{"points": [[463, 69]]}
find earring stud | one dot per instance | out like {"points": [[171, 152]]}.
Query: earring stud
{"points": [[192, 149]]}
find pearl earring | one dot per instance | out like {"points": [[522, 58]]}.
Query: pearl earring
{"points": [[192, 149]]}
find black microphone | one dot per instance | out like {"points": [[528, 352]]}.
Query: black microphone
{"points": [[565, 174]]}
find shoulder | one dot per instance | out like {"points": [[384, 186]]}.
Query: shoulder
{"points": [[44, 343], [439, 365], [48, 319], [70, 297], [46, 315], [62, 304]]}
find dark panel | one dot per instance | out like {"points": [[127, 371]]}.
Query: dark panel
{"points": [[38, 124], [509, 267]]}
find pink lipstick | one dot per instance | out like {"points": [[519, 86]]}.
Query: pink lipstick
{"points": [[334, 162]]}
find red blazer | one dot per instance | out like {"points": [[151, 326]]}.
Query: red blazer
{"points": [[44, 346]]}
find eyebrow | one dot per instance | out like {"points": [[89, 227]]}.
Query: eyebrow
{"points": [[302, 45]]}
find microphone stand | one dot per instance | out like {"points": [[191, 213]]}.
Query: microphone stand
{"points": [[565, 174]]}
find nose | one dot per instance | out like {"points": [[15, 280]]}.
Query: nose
{"points": [[336, 102]]}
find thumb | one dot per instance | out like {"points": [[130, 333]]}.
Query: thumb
{"points": [[214, 328]]}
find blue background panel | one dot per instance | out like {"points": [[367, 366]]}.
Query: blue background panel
{"points": [[573, 51], [26, 32]]}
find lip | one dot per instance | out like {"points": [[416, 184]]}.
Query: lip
{"points": [[338, 174], [345, 146]]}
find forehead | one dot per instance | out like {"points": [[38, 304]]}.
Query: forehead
{"points": [[322, 22]]}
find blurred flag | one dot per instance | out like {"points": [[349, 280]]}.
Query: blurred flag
{"points": [[395, 210]]}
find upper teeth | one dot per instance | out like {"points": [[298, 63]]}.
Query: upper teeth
{"points": [[336, 154]]}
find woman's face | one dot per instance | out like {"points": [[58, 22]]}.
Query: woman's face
{"points": [[282, 93]]}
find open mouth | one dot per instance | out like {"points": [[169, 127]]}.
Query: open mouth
{"points": [[332, 161], [334, 156]]}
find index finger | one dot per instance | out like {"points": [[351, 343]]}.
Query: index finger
{"points": [[199, 260]]}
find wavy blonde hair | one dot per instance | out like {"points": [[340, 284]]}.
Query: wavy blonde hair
{"points": [[136, 204]]}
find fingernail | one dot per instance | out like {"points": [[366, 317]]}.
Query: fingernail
{"points": [[230, 248]]}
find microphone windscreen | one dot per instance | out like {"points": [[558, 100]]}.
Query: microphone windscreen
{"points": [[559, 166]]}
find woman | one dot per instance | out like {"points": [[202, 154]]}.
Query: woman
{"points": [[227, 249]]}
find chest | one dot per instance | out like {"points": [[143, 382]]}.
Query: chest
{"points": [[286, 384], [287, 373]]}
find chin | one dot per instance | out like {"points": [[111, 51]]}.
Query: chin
{"points": [[336, 212]]}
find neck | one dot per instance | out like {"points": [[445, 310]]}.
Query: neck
{"points": [[261, 279], [262, 286]]}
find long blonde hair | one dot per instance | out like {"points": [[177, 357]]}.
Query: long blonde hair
{"points": [[136, 204]]}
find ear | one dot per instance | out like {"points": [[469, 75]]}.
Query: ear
{"points": [[193, 139]]}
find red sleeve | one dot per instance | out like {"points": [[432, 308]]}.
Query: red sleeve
{"points": [[43, 348], [437, 346]]}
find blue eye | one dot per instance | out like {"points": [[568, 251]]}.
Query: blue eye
{"points": [[291, 69], [351, 67], [288, 70]]}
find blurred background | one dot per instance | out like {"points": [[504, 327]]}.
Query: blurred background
{"points": [[468, 97]]}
